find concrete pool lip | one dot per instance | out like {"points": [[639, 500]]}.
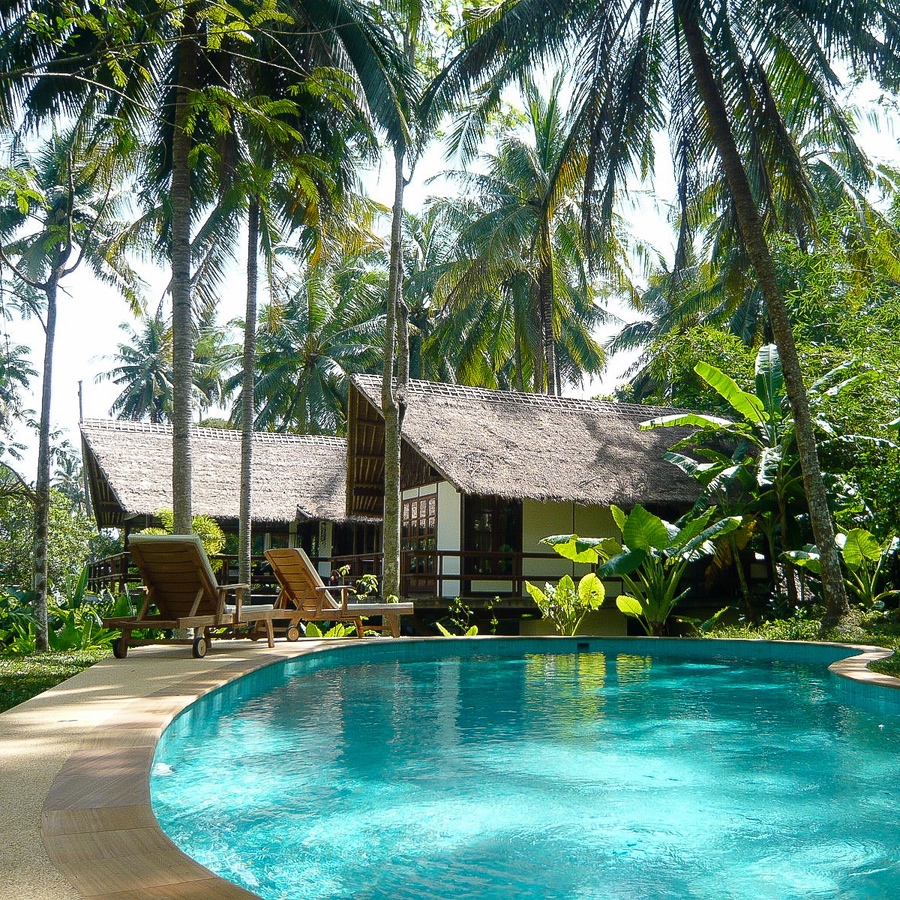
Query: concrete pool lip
{"points": [[75, 764]]}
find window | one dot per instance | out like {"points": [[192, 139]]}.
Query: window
{"points": [[492, 535], [418, 536]]}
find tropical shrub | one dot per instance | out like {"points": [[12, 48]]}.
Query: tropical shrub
{"points": [[864, 558], [650, 560], [73, 540], [564, 605], [205, 527], [337, 630]]}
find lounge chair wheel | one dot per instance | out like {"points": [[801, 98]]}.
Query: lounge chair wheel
{"points": [[292, 633], [201, 645], [120, 648]]}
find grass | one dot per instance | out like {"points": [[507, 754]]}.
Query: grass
{"points": [[23, 677], [860, 629]]}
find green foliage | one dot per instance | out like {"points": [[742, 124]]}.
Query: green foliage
{"points": [[73, 540], [799, 627], [367, 586], [74, 620], [459, 617], [864, 558], [337, 630], [565, 605], [651, 559]]}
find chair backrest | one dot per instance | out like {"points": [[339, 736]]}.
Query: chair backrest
{"points": [[299, 579], [175, 568]]}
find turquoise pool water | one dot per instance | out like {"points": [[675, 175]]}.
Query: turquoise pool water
{"points": [[605, 773]]}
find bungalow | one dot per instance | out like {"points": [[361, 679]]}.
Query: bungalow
{"points": [[298, 484], [486, 474]]}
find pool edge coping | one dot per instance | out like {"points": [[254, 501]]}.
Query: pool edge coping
{"points": [[97, 825]]}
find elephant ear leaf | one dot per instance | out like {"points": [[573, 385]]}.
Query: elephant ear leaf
{"points": [[591, 591], [643, 531], [629, 606], [570, 546], [808, 558], [860, 546]]}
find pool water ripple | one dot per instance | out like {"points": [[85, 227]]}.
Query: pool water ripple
{"points": [[548, 776]]}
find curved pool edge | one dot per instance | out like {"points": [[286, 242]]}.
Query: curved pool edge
{"points": [[97, 824]]}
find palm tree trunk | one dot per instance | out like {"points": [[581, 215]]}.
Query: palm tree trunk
{"points": [[42, 482], [389, 395], [754, 238], [248, 404], [182, 316], [545, 303]]}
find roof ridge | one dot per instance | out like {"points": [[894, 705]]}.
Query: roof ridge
{"points": [[491, 395], [229, 434]]}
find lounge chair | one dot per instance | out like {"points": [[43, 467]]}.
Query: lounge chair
{"points": [[306, 597], [179, 582]]}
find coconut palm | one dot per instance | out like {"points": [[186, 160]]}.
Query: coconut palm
{"points": [[520, 246], [321, 329], [169, 66], [144, 371], [59, 211], [733, 81]]}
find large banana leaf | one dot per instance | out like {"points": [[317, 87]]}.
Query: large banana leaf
{"points": [[748, 405], [645, 531], [700, 420], [770, 380]]}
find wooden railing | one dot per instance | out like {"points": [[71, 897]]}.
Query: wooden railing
{"points": [[425, 572]]}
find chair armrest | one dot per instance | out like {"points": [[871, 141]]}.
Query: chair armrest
{"points": [[225, 588], [343, 588]]}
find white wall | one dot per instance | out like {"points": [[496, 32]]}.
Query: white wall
{"points": [[449, 527], [449, 536], [540, 520]]}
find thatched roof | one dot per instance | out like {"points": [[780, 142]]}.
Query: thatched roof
{"points": [[515, 445], [294, 476]]}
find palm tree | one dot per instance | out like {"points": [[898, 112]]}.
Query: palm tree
{"points": [[322, 329], [65, 214], [170, 66], [520, 252], [16, 373], [144, 371], [640, 65]]}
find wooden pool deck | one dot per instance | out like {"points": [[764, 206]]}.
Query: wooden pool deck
{"points": [[75, 819]]}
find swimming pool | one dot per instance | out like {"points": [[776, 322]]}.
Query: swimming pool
{"points": [[539, 769]]}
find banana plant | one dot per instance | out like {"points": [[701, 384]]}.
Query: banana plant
{"points": [[764, 465], [864, 559], [650, 560]]}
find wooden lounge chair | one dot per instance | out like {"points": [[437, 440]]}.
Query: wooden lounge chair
{"points": [[306, 597], [179, 582]]}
